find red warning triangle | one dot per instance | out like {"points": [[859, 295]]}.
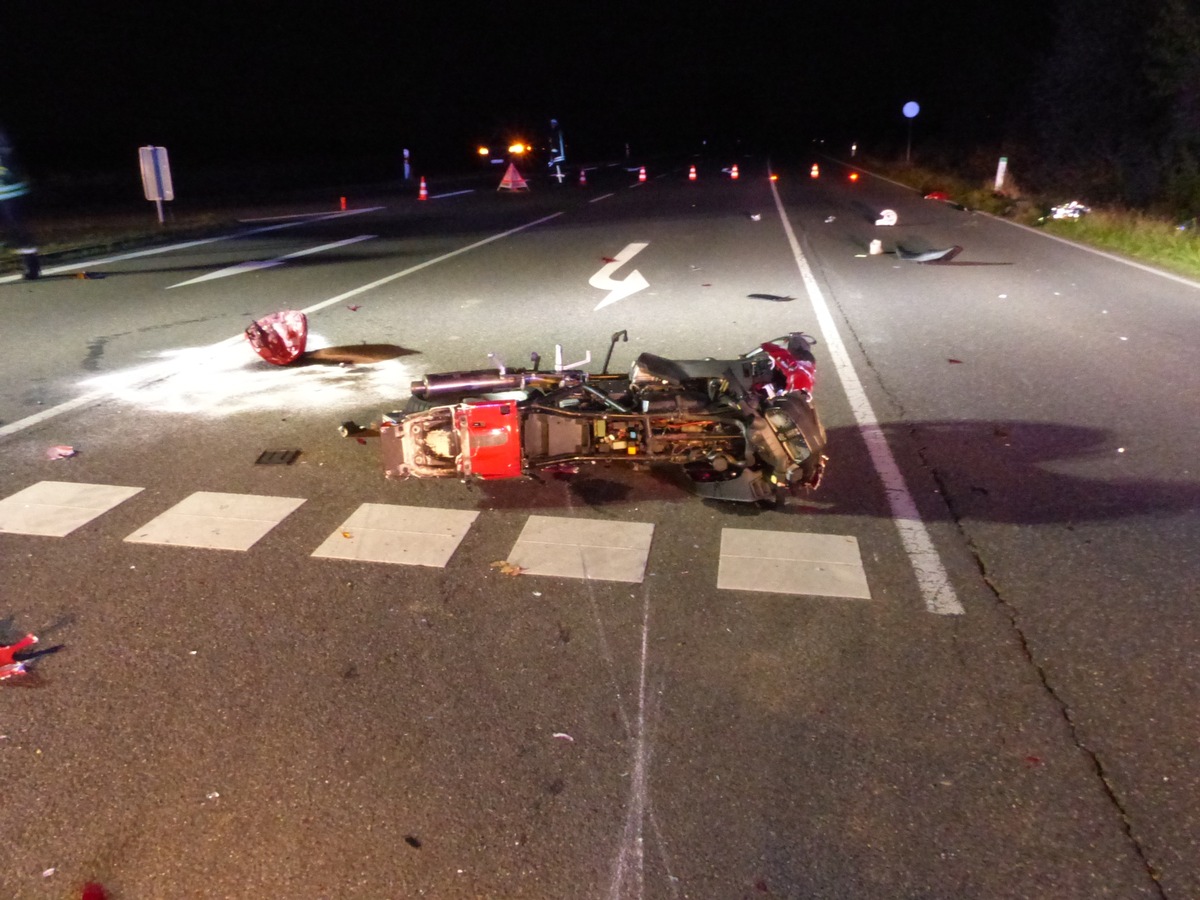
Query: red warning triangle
{"points": [[512, 180]]}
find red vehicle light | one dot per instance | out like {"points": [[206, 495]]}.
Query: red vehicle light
{"points": [[490, 434]]}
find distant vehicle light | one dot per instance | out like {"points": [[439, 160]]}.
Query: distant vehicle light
{"points": [[517, 148], [854, 176], [815, 171], [483, 151], [774, 177]]}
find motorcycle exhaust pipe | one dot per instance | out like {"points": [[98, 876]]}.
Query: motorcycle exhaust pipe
{"points": [[484, 382]]}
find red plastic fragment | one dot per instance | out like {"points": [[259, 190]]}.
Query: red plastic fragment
{"points": [[937, 195], [94, 891], [279, 338], [955, 361], [9, 665]]}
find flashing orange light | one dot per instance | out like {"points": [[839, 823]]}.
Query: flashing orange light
{"points": [[815, 171], [517, 148], [854, 176], [774, 177]]}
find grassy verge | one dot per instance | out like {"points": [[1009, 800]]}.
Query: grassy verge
{"points": [[1137, 235]]}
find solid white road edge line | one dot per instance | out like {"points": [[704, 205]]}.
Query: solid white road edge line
{"points": [[166, 372], [934, 582]]}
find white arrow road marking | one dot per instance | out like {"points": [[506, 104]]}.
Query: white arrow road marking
{"points": [[619, 290], [255, 265]]}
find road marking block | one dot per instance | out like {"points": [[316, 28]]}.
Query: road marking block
{"points": [[216, 521], [583, 548], [56, 508], [783, 562], [403, 535]]}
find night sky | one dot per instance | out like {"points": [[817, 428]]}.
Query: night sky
{"points": [[86, 84]]}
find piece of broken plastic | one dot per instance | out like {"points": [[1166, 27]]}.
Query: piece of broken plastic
{"points": [[60, 451], [279, 338], [9, 664]]}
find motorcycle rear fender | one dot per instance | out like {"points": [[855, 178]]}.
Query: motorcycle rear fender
{"points": [[405, 445]]}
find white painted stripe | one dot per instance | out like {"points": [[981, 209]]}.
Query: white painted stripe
{"points": [[601, 197], [314, 216], [934, 582], [451, 194], [1182, 279], [189, 360], [255, 265], [429, 262], [185, 245]]}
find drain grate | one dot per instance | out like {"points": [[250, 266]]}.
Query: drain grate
{"points": [[277, 457]]}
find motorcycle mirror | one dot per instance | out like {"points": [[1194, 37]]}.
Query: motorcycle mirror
{"points": [[621, 335], [498, 363], [535, 358]]}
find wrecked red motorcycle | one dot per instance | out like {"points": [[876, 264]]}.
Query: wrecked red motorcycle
{"points": [[743, 429]]}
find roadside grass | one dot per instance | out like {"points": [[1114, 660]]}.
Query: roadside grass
{"points": [[1155, 240]]}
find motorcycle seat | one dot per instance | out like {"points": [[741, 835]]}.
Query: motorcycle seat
{"points": [[649, 367]]}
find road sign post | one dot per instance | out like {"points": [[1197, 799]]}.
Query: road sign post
{"points": [[911, 108], [156, 176]]}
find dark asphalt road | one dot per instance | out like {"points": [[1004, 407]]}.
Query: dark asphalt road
{"points": [[270, 724]]}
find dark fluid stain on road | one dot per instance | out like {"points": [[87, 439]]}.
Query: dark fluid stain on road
{"points": [[91, 362], [355, 354]]}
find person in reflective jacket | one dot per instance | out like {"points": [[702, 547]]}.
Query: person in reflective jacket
{"points": [[13, 188]]}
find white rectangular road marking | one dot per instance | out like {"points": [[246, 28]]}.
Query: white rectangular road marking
{"points": [[56, 508], [783, 562], [932, 579], [583, 548], [404, 535], [255, 264], [216, 521]]}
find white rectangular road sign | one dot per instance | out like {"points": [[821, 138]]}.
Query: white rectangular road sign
{"points": [[156, 173]]}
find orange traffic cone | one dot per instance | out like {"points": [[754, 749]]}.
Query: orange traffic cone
{"points": [[733, 173], [423, 193], [583, 176], [692, 174], [642, 174]]}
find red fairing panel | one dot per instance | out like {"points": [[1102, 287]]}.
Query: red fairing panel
{"points": [[490, 434], [279, 338]]}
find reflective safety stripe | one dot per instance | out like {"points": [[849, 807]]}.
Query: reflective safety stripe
{"points": [[16, 189]]}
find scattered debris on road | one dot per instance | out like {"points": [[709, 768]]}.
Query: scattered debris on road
{"points": [[10, 665], [61, 451], [277, 457], [887, 217], [506, 568], [929, 256]]}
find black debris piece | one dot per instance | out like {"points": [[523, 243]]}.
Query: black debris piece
{"points": [[277, 457]]}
